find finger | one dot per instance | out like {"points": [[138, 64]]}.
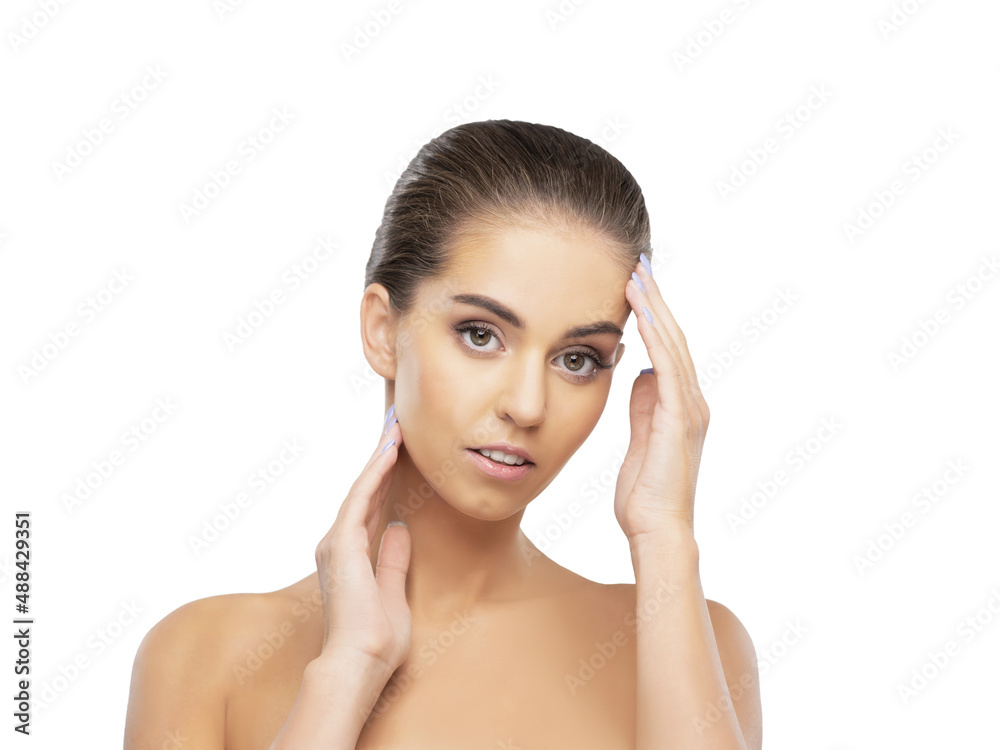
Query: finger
{"points": [[667, 366], [653, 300], [641, 404], [374, 517], [356, 506], [390, 570], [661, 311]]}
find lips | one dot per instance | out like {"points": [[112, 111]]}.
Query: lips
{"points": [[499, 470], [510, 450]]}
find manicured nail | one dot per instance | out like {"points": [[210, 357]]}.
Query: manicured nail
{"points": [[389, 414], [646, 312], [643, 372], [398, 523], [389, 426], [637, 280], [645, 263], [391, 442]]}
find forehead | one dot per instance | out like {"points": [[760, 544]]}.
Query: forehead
{"points": [[544, 274]]}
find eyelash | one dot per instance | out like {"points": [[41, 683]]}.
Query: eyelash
{"points": [[481, 326]]}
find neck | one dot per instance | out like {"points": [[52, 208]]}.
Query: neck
{"points": [[456, 561]]}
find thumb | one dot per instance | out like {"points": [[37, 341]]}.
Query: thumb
{"points": [[640, 409], [640, 416], [391, 566]]}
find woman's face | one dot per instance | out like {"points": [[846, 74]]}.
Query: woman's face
{"points": [[468, 376]]}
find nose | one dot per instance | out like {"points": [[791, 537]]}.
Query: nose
{"points": [[523, 398]]}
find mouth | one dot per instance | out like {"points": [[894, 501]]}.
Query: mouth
{"points": [[504, 453], [500, 469]]}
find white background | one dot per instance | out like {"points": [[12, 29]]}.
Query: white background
{"points": [[835, 642]]}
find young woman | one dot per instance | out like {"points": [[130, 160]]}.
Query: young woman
{"points": [[507, 263]]}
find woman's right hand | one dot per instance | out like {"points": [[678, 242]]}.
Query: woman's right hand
{"points": [[364, 612]]}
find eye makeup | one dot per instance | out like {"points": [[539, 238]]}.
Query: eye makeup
{"points": [[478, 326]]}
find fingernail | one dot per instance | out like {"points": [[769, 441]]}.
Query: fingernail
{"points": [[643, 372], [637, 280], [389, 426], [391, 442], [645, 263], [398, 523], [389, 414], [649, 316]]}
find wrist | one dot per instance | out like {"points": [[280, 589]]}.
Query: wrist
{"points": [[345, 659], [349, 671], [674, 546]]}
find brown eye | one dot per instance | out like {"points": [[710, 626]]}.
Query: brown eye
{"points": [[480, 336], [477, 336], [575, 362]]}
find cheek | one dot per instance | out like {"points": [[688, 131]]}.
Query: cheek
{"points": [[577, 418], [428, 397]]}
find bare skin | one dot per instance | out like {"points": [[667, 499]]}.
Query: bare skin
{"points": [[513, 674], [500, 636]]}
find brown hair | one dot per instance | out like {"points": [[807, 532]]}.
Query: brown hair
{"points": [[496, 173]]}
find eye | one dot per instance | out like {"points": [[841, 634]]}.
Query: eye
{"points": [[479, 333], [576, 363], [477, 336]]}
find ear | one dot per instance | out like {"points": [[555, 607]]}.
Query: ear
{"points": [[378, 331]]}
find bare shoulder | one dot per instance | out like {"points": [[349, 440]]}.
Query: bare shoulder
{"points": [[739, 663], [180, 674], [725, 623], [736, 652], [729, 630]]}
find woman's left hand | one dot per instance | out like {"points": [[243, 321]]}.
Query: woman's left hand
{"points": [[669, 419]]}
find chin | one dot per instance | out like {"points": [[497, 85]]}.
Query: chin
{"points": [[484, 506]]}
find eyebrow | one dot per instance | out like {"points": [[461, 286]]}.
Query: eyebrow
{"points": [[504, 312]]}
